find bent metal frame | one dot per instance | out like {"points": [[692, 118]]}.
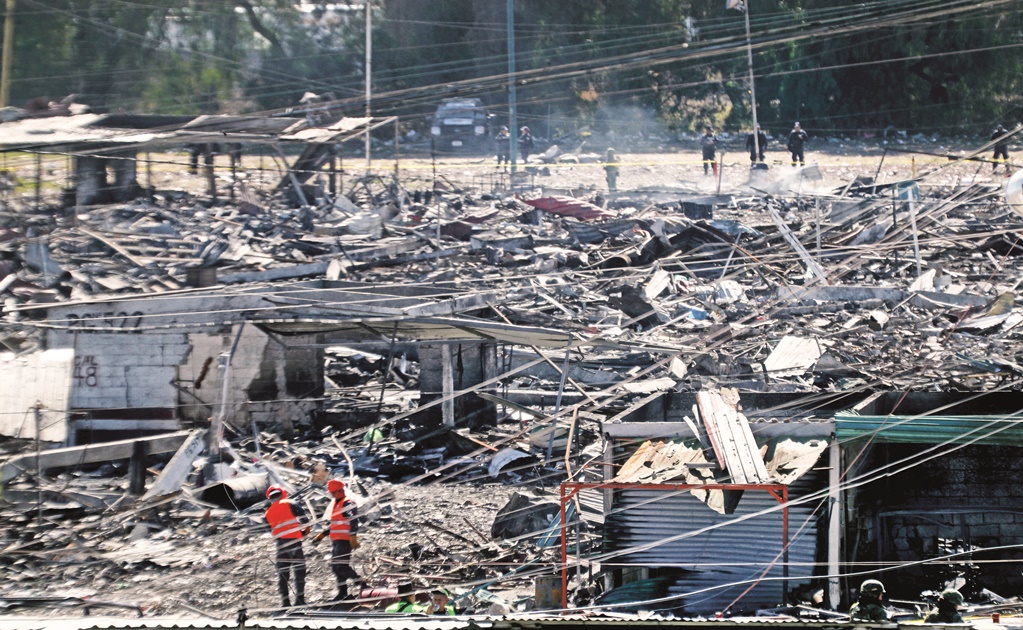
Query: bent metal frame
{"points": [[569, 490]]}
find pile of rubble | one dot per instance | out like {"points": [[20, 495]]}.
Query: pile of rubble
{"points": [[860, 286]]}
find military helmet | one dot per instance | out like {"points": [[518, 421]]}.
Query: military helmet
{"points": [[952, 596], [872, 587]]}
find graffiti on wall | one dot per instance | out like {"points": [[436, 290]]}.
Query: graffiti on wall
{"points": [[105, 322], [86, 373]]}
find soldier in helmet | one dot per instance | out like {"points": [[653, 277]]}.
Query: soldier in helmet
{"points": [[869, 606], [947, 610]]}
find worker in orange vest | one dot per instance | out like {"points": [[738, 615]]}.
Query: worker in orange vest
{"points": [[344, 536], [288, 524]]}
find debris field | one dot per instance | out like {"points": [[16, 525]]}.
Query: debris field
{"points": [[840, 277]]}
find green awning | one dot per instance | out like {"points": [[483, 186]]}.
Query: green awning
{"points": [[1001, 430]]}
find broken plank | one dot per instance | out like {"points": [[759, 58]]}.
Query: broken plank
{"points": [[112, 244]]}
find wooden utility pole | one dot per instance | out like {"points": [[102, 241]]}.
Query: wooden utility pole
{"points": [[8, 54]]}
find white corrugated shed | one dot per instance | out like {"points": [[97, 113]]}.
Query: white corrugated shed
{"points": [[40, 379]]}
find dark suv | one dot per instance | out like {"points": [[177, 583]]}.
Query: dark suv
{"points": [[461, 124]]}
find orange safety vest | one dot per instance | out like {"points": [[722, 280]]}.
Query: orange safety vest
{"points": [[283, 523], [340, 528]]}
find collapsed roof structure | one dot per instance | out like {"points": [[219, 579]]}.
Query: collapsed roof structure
{"points": [[837, 370]]}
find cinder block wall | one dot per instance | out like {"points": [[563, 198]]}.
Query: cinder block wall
{"points": [[122, 371], [967, 498], [158, 369]]}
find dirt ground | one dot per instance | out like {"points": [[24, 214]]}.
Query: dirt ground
{"points": [[677, 167]]}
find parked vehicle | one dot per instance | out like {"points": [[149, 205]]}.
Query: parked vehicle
{"points": [[461, 125]]}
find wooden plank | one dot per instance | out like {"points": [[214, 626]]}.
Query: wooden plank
{"points": [[113, 245]]}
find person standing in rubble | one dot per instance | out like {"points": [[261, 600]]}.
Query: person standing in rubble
{"points": [[525, 144], [439, 598], [288, 525], [797, 138], [947, 610], [611, 170], [1000, 137], [709, 145], [503, 146], [343, 515], [407, 604], [869, 606], [755, 143]]}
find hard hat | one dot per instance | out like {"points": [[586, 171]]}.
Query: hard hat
{"points": [[275, 490], [872, 587], [524, 129], [952, 596], [335, 485]]}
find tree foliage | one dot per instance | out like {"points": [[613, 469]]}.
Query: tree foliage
{"points": [[610, 63]]}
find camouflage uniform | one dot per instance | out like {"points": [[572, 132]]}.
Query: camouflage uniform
{"points": [[946, 611], [868, 609], [943, 616]]}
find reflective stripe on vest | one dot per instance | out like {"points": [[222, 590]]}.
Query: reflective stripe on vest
{"points": [[340, 528], [283, 523]]}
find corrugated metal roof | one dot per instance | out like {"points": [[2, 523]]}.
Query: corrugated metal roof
{"points": [[328, 133], [62, 130], [407, 622], [1003, 430], [243, 124], [730, 436], [89, 129], [648, 528]]}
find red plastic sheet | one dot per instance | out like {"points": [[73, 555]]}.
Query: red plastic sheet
{"points": [[570, 207]]}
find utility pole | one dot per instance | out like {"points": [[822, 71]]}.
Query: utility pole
{"points": [[513, 131], [369, 76], [752, 89], [8, 54]]}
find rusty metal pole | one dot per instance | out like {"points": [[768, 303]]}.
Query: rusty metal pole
{"points": [[564, 549], [8, 55]]}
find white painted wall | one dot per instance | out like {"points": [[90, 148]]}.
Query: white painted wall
{"points": [[42, 378]]}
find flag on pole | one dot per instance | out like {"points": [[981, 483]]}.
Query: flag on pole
{"points": [[738, 5]]}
